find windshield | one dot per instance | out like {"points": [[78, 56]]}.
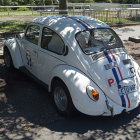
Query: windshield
{"points": [[96, 40]]}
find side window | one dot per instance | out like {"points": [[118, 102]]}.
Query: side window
{"points": [[52, 41], [32, 34], [83, 39]]}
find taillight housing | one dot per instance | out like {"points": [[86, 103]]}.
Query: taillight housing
{"points": [[92, 93]]}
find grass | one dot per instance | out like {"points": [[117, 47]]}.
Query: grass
{"points": [[20, 26], [12, 26], [112, 21], [18, 13]]}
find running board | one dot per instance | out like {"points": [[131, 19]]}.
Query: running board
{"points": [[28, 73]]}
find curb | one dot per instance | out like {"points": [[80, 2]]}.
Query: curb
{"points": [[136, 40]]}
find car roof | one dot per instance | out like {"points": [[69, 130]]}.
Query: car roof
{"points": [[69, 25], [48, 20]]}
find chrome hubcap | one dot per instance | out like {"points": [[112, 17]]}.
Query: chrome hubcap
{"points": [[60, 98]]}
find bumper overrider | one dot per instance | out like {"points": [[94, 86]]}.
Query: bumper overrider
{"points": [[115, 109]]}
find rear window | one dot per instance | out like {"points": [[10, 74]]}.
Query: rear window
{"points": [[97, 40]]}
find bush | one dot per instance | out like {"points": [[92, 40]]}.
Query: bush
{"points": [[23, 9], [108, 1], [4, 9]]}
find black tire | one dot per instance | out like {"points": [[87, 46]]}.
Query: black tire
{"points": [[62, 99], [8, 59]]}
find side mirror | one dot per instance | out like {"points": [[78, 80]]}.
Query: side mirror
{"points": [[19, 36]]}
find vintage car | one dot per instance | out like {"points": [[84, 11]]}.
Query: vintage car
{"points": [[81, 60]]}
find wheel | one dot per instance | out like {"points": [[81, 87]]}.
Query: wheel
{"points": [[62, 99], [8, 59]]}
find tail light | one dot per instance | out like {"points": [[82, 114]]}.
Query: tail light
{"points": [[92, 93]]}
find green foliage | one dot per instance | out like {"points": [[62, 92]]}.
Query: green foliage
{"points": [[23, 9], [108, 1], [127, 1], [12, 26], [89, 1], [48, 2], [4, 9], [81, 1]]}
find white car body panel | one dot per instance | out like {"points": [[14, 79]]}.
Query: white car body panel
{"points": [[14, 49], [30, 51], [78, 82], [78, 70]]}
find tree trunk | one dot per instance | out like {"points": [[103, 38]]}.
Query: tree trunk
{"points": [[63, 7]]}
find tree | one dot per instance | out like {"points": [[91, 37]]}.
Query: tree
{"points": [[1, 2], [108, 1], [127, 1], [81, 1], [63, 3], [63, 7]]}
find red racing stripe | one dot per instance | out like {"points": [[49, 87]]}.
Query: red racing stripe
{"points": [[120, 76], [128, 100], [117, 67]]}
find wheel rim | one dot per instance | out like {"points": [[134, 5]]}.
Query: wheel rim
{"points": [[60, 98], [7, 59]]}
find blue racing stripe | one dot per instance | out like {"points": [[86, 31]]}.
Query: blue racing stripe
{"points": [[107, 56], [123, 101], [116, 77], [81, 22], [113, 70]]}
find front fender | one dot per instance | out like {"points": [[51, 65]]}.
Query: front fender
{"points": [[14, 49], [77, 82]]}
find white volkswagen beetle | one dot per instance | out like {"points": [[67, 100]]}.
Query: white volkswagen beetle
{"points": [[81, 60]]}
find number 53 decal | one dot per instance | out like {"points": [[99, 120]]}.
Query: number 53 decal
{"points": [[28, 57], [132, 72]]}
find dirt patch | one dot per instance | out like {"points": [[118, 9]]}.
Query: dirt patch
{"points": [[18, 18], [134, 50]]}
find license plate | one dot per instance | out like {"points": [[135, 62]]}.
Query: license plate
{"points": [[127, 89]]}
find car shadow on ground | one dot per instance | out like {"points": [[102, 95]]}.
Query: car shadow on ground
{"points": [[25, 104]]}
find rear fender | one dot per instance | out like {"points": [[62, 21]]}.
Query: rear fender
{"points": [[77, 82]]}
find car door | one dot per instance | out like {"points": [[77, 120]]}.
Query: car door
{"points": [[50, 54], [30, 48]]}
